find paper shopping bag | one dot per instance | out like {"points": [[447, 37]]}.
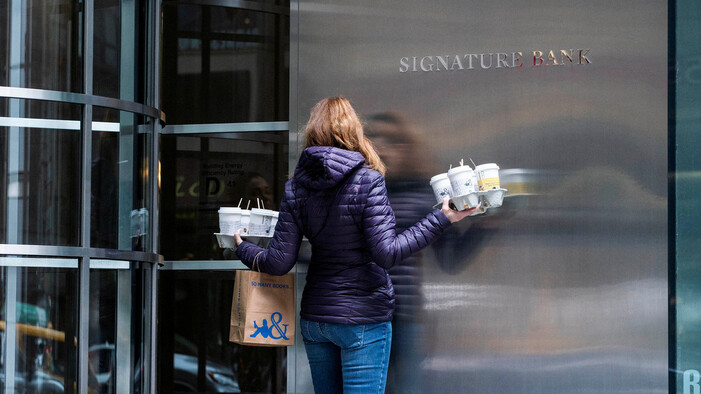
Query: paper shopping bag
{"points": [[263, 309]]}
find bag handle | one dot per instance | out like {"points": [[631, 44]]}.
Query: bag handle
{"points": [[255, 260]]}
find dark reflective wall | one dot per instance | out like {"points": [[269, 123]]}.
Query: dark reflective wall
{"points": [[224, 64], [564, 288]]}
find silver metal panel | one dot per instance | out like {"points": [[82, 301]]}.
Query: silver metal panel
{"points": [[10, 348], [225, 127], [123, 357], [78, 98], [294, 135], [98, 264], [83, 324], [153, 326], [14, 137], [145, 324], [205, 265], [295, 363], [38, 262], [126, 179], [56, 124], [564, 288], [72, 251]]}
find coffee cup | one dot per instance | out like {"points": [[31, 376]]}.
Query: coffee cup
{"points": [[487, 176], [273, 223], [260, 222], [441, 187], [229, 219], [462, 180], [245, 221]]}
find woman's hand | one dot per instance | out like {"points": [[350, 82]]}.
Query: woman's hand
{"points": [[453, 215], [237, 236]]}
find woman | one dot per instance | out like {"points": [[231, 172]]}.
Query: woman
{"points": [[338, 200]]}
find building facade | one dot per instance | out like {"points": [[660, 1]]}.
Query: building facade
{"points": [[125, 125]]}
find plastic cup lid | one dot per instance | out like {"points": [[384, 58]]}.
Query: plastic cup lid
{"points": [[439, 177], [487, 166], [455, 170], [229, 210]]}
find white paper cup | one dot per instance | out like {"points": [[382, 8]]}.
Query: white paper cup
{"points": [[441, 187], [229, 219], [466, 202], [273, 223], [261, 220], [488, 176], [494, 198], [462, 180], [245, 221]]}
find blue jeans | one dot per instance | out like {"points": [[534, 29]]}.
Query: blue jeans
{"points": [[347, 358]]}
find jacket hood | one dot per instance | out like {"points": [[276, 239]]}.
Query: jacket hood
{"points": [[323, 167]]}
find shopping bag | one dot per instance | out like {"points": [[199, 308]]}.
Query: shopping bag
{"points": [[263, 309]]}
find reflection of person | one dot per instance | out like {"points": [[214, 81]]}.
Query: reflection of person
{"points": [[337, 198], [408, 171], [258, 187]]}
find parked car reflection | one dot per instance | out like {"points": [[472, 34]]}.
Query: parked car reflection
{"points": [[102, 367]]}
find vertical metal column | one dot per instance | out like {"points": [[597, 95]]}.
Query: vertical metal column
{"points": [[127, 130], [14, 145], [127, 125], [155, 170], [17, 14], [84, 262], [293, 150], [123, 342], [10, 348], [154, 317], [155, 200]]}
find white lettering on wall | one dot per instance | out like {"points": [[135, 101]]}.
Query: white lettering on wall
{"points": [[691, 381], [488, 60]]}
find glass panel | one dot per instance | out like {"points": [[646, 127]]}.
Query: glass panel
{"points": [[41, 173], [4, 42], [107, 48], [103, 330], [199, 357], [224, 65], [51, 45], [688, 187], [121, 146], [254, 165], [45, 353], [123, 50]]}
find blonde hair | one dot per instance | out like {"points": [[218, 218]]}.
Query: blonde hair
{"points": [[333, 122]]}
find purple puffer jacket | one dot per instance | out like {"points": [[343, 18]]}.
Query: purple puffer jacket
{"points": [[341, 206]]}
